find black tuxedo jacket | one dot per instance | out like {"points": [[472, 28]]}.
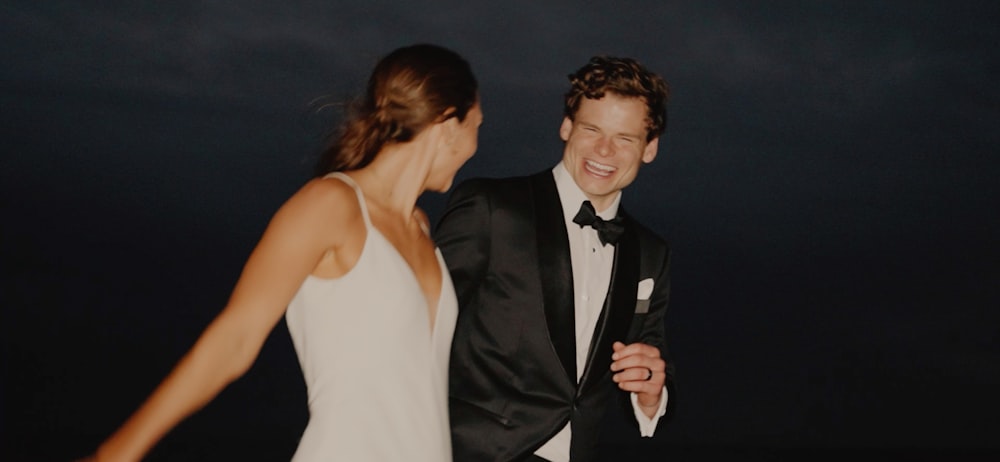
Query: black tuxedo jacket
{"points": [[513, 365]]}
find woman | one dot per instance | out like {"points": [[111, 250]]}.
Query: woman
{"points": [[370, 305]]}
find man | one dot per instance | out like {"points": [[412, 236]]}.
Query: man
{"points": [[558, 310]]}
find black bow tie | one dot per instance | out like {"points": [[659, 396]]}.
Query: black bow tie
{"points": [[608, 231]]}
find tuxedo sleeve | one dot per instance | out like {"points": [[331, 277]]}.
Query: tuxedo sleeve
{"points": [[654, 330], [653, 333], [463, 235]]}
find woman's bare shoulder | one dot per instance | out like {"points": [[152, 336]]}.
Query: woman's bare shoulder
{"points": [[329, 196], [327, 206]]}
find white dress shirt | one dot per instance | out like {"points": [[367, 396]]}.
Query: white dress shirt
{"points": [[592, 263]]}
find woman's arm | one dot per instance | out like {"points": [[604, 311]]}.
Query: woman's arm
{"points": [[317, 220]]}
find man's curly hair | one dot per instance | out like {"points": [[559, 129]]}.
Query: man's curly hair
{"points": [[624, 77]]}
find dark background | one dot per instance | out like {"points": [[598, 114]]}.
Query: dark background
{"points": [[828, 182]]}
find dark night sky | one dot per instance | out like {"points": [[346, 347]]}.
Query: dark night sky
{"points": [[828, 183]]}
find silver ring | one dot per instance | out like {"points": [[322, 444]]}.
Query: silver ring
{"points": [[650, 376]]}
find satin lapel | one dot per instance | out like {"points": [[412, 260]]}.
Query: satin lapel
{"points": [[619, 307], [556, 270]]}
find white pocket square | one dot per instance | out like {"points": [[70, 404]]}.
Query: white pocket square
{"points": [[643, 293], [645, 289]]}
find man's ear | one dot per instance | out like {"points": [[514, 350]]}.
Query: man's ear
{"points": [[649, 153], [565, 129]]}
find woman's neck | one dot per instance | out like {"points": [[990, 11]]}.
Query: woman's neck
{"points": [[394, 180]]}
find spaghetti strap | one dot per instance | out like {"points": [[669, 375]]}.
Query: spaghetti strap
{"points": [[357, 190]]}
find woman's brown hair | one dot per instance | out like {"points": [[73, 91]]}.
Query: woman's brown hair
{"points": [[410, 89]]}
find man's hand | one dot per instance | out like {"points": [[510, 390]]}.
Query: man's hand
{"points": [[638, 368]]}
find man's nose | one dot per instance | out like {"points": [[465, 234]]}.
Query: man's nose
{"points": [[604, 147]]}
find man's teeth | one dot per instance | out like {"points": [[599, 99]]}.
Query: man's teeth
{"points": [[599, 167]]}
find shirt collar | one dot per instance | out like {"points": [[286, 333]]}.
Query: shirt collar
{"points": [[571, 196]]}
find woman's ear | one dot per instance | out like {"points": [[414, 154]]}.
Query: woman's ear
{"points": [[450, 126]]}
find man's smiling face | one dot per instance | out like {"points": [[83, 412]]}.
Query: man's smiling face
{"points": [[605, 145]]}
